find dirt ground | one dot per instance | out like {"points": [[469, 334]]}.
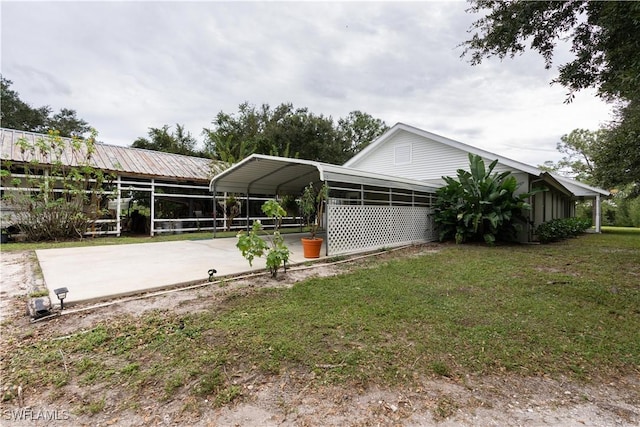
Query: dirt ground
{"points": [[293, 399]]}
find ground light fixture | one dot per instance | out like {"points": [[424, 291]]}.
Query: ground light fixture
{"points": [[61, 293]]}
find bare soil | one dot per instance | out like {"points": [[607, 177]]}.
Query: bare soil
{"points": [[293, 398]]}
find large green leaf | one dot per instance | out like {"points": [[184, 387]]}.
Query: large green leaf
{"points": [[479, 205]]}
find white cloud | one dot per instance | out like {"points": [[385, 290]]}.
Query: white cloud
{"points": [[128, 66]]}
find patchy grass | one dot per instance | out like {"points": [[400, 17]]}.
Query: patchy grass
{"points": [[124, 240], [630, 231], [570, 308]]}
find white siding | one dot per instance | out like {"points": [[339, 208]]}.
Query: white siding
{"points": [[523, 181], [430, 160]]}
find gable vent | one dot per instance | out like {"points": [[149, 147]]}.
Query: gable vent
{"points": [[402, 154]]}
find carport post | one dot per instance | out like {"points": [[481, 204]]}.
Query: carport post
{"points": [[153, 207], [248, 228], [215, 213], [118, 205], [326, 212]]}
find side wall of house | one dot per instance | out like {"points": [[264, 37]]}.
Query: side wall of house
{"points": [[412, 156], [549, 205]]}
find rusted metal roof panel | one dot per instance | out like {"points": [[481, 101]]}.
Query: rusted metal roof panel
{"points": [[113, 158]]}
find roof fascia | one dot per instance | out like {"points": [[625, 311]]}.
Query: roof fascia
{"points": [[257, 157], [550, 179], [581, 184]]}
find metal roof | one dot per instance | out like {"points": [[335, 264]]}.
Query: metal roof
{"points": [[260, 174], [115, 159], [579, 189]]}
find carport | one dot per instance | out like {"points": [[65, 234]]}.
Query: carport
{"points": [[365, 210]]}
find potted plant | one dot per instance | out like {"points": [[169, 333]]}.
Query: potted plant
{"points": [[311, 205]]}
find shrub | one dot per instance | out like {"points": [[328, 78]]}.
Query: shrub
{"points": [[252, 245], [52, 201], [628, 214], [561, 228], [480, 205]]}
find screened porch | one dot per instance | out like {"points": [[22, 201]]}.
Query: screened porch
{"points": [[364, 211]]}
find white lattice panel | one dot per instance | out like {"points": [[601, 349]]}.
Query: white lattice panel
{"points": [[355, 227]]}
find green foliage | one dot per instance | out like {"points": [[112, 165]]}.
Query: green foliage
{"points": [[566, 310], [578, 148], [312, 205], [360, 129], [39, 293], [617, 158], [289, 132], [561, 228], [17, 114], [628, 212], [272, 208], [621, 210], [479, 205], [179, 141], [605, 58], [53, 201], [68, 124], [251, 245]]}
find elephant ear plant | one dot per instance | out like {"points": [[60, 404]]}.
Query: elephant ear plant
{"points": [[252, 245], [480, 204]]}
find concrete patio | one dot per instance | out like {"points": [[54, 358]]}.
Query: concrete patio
{"points": [[102, 272]]}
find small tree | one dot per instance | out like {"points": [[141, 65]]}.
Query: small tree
{"points": [[54, 199], [232, 207], [480, 205], [252, 245]]}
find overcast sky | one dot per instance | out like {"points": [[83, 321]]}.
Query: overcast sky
{"points": [[128, 66]]}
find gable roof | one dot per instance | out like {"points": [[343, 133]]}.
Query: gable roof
{"points": [[115, 159], [261, 174], [574, 187], [579, 189]]}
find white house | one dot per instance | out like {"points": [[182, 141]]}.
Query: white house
{"points": [[409, 152]]}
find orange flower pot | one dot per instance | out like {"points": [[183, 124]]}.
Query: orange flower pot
{"points": [[311, 247]]}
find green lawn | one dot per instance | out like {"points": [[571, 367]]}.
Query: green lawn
{"points": [[570, 308], [124, 240]]}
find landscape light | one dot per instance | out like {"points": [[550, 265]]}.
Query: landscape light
{"points": [[61, 293]]}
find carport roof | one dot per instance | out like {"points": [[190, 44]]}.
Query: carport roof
{"points": [[260, 174]]}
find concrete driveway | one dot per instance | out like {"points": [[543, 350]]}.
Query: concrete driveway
{"points": [[102, 272]]}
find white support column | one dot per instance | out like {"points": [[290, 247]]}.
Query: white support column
{"points": [[598, 213], [224, 209], [328, 223], [118, 206], [153, 208]]}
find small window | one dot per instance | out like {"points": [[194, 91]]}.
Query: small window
{"points": [[402, 154]]}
